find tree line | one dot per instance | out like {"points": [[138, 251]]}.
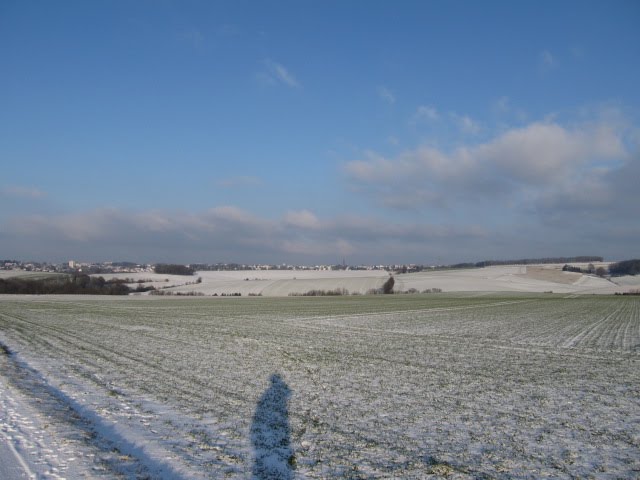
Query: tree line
{"points": [[173, 269], [76, 284], [491, 263], [626, 267], [534, 261]]}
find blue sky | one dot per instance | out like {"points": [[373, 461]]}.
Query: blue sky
{"points": [[311, 131]]}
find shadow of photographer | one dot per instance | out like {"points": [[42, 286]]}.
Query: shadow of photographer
{"points": [[270, 433]]}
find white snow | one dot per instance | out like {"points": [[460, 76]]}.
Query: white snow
{"points": [[12, 465], [511, 278], [406, 386]]}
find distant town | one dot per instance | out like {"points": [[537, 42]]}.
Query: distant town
{"points": [[73, 266], [93, 268]]}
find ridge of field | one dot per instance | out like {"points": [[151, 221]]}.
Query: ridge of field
{"points": [[512, 278], [406, 386], [27, 275]]}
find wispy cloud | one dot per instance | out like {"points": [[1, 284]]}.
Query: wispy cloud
{"points": [[577, 52], [429, 113], [192, 36], [425, 112], [228, 30], [465, 123], [276, 73], [502, 105], [386, 95], [547, 60], [240, 181], [22, 192], [302, 219]]}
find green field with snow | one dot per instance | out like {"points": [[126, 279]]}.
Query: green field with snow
{"points": [[405, 386]]}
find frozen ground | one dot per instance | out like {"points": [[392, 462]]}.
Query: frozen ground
{"points": [[408, 386], [533, 278]]}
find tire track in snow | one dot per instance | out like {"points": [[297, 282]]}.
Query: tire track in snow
{"points": [[399, 312], [588, 331]]}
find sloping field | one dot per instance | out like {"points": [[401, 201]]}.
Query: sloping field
{"points": [[407, 386], [550, 274], [627, 280], [280, 283], [512, 278]]}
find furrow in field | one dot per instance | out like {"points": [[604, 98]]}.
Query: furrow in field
{"points": [[592, 330]]}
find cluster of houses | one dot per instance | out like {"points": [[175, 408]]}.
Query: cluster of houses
{"points": [[130, 267]]}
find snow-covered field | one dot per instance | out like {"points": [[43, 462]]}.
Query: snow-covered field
{"points": [[403, 386], [263, 282], [510, 278], [540, 278], [281, 283]]}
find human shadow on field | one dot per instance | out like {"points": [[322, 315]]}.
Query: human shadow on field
{"points": [[270, 433]]}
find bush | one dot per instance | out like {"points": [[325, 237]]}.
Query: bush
{"points": [[601, 271], [141, 288], [322, 293], [570, 268], [166, 293], [387, 288]]}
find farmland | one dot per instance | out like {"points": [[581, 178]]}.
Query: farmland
{"points": [[410, 386], [270, 283]]}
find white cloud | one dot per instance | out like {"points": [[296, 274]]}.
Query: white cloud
{"points": [[277, 73], [225, 233], [302, 219], [22, 192], [528, 162], [555, 187], [543, 152], [386, 95]]}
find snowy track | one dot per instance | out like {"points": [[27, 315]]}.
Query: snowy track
{"points": [[517, 386]]}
